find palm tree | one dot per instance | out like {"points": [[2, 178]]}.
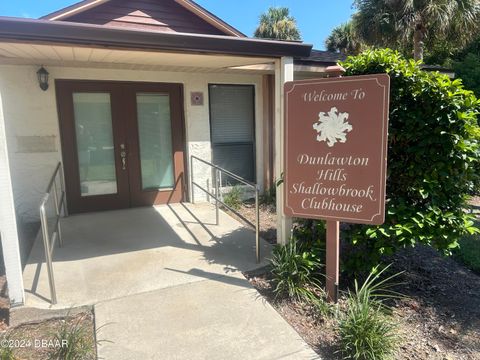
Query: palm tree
{"points": [[277, 23], [398, 22], [343, 39]]}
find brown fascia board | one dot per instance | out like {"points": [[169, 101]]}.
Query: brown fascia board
{"points": [[62, 32], [73, 9], [314, 63]]}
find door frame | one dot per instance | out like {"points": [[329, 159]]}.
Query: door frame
{"points": [[65, 87]]}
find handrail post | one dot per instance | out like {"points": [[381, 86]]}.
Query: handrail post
{"points": [[217, 212], [217, 181], [48, 258], [191, 180], [63, 194], [220, 182], [57, 212], [257, 225]]}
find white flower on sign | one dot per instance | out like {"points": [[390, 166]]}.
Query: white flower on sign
{"points": [[332, 127]]}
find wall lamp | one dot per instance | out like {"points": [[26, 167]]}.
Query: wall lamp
{"points": [[42, 75]]}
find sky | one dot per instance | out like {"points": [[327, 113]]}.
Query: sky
{"points": [[315, 18]]}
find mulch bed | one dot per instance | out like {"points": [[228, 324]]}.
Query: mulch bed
{"points": [[35, 340], [439, 318]]}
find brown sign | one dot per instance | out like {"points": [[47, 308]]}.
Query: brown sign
{"points": [[336, 148]]}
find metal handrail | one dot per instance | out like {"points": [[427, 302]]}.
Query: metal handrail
{"points": [[49, 242], [216, 180]]}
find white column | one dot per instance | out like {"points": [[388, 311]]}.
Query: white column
{"points": [[283, 73], [8, 223]]}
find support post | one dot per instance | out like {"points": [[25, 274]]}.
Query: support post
{"points": [[8, 223], [192, 190], [48, 254], [333, 232], [257, 224], [217, 212], [57, 210], [333, 260], [283, 73]]}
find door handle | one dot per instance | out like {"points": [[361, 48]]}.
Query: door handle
{"points": [[123, 155]]}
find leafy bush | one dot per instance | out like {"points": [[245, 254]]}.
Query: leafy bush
{"points": [[294, 271], [433, 160], [311, 237], [367, 331], [233, 197]]}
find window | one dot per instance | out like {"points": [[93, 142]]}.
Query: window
{"points": [[232, 125]]}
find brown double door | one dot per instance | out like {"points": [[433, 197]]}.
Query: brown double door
{"points": [[122, 142]]}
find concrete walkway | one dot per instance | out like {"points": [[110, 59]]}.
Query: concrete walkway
{"points": [[112, 254], [166, 283], [223, 318]]}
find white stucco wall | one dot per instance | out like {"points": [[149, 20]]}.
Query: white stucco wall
{"points": [[29, 111]]}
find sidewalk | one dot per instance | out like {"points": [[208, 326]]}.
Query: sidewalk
{"points": [[221, 317]]}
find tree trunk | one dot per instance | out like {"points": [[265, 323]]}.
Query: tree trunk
{"points": [[418, 44]]}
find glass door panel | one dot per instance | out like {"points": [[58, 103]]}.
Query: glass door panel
{"points": [[155, 141], [95, 147]]}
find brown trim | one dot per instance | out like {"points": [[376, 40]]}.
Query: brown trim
{"points": [[16, 29], [138, 196], [74, 9], [191, 6], [125, 130], [77, 203]]}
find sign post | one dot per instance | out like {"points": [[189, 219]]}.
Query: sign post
{"points": [[333, 260], [336, 155]]}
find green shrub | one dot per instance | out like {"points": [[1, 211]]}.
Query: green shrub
{"points": [[469, 252], [80, 344], [367, 331], [294, 271], [433, 161], [233, 198]]}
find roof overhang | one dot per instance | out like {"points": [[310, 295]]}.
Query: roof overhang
{"points": [[62, 32]]}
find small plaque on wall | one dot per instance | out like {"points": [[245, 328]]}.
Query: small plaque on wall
{"points": [[196, 98]]}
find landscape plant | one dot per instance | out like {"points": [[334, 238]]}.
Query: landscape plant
{"points": [[367, 330], [295, 271], [433, 161], [233, 198], [77, 340]]}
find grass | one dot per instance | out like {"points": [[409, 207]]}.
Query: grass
{"points": [[469, 252]]}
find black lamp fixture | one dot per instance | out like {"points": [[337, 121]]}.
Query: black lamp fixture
{"points": [[42, 75]]}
